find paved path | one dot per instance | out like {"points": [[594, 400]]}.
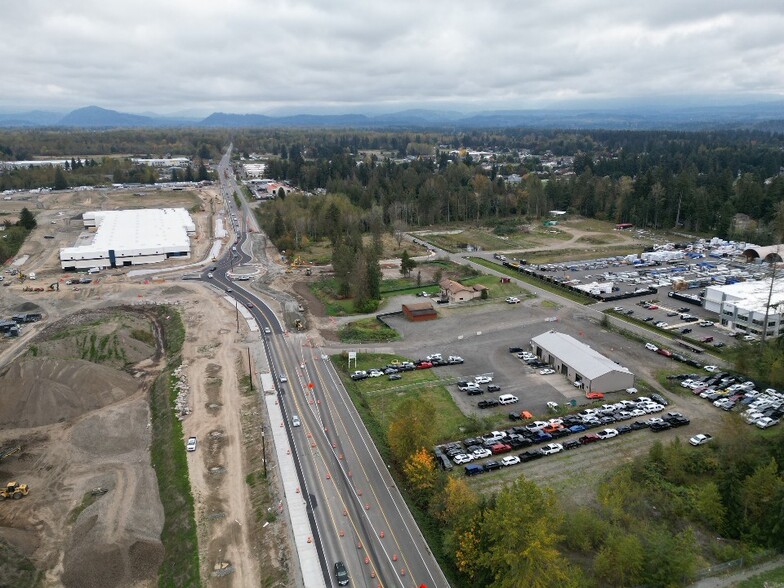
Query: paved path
{"points": [[729, 580]]}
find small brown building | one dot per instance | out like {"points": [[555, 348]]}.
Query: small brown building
{"points": [[420, 311]]}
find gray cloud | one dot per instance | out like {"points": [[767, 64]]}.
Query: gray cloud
{"points": [[257, 55]]}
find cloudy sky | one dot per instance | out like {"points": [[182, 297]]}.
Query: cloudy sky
{"points": [[263, 56]]}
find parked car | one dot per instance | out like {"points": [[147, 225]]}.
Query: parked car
{"points": [[607, 434], [594, 395], [546, 371], [492, 465], [486, 403], [531, 455], [395, 376], [571, 444], [589, 438], [191, 445], [483, 379], [658, 427], [551, 448], [500, 448], [493, 388], [474, 469], [462, 458], [700, 439], [510, 460], [512, 300], [507, 399]]}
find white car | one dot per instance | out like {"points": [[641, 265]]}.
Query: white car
{"points": [[551, 319], [462, 458], [710, 368], [631, 390], [468, 387], [507, 399], [512, 300], [481, 453], [618, 309], [662, 324], [191, 445], [546, 372], [651, 347], [766, 422], [295, 421], [536, 425], [551, 448], [510, 460], [552, 405], [607, 434], [483, 379], [749, 337], [700, 439], [375, 373], [209, 276]]}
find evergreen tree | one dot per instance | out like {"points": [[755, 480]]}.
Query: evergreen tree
{"points": [[27, 220], [60, 183]]}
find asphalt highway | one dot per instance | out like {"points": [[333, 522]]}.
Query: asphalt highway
{"points": [[356, 512]]}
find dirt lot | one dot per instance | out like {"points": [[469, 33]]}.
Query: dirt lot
{"points": [[73, 396]]}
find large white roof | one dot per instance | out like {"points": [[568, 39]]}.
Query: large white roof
{"points": [[136, 232], [585, 360], [753, 295]]}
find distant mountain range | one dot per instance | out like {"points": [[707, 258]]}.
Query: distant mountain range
{"points": [[762, 115]]}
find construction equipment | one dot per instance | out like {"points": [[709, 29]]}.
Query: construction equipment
{"points": [[14, 490], [55, 286]]}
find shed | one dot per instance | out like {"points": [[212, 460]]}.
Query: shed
{"points": [[420, 311]]}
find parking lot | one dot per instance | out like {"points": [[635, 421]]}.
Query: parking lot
{"points": [[483, 336]]}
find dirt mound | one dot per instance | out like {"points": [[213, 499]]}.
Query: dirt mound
{"points": [[107, 338], [28, 307], [175, 291], [42, 391]]}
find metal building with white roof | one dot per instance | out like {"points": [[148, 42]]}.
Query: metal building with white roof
{"points": [[581, 363], [743, 306], [131, 237]]}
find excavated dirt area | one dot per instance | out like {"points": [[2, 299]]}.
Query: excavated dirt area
{"points": [[81, 426]]}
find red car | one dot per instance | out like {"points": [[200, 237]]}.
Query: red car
{"points": [[664, 352], [424, 365], [500, 448], [594, 395], [589, 438]]}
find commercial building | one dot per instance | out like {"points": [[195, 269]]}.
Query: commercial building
{"points": [[581, 363], [742, 306], [130, 237]]}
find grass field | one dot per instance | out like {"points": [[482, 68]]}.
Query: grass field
{"points": [[769, 579], [368, 330], [534, 282], [485, 239], [497, 289], [381, 397]]}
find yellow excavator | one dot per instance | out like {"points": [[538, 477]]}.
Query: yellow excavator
{"points": [[14, 490]]}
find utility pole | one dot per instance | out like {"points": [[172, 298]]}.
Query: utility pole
{"points": [[263, 452], [237, 308], [250, 371]]}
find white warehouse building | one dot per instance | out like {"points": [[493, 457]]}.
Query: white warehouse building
{"points": [[581, 363], [742, 306], [131, 237]]}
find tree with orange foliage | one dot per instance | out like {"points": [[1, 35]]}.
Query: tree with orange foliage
{"points": [[423, 475]]}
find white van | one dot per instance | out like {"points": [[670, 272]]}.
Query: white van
{"points": [[507, 399], [31, 276], [93, 270]]}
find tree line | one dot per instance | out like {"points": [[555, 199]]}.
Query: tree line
{"points": [[652, 522]]}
